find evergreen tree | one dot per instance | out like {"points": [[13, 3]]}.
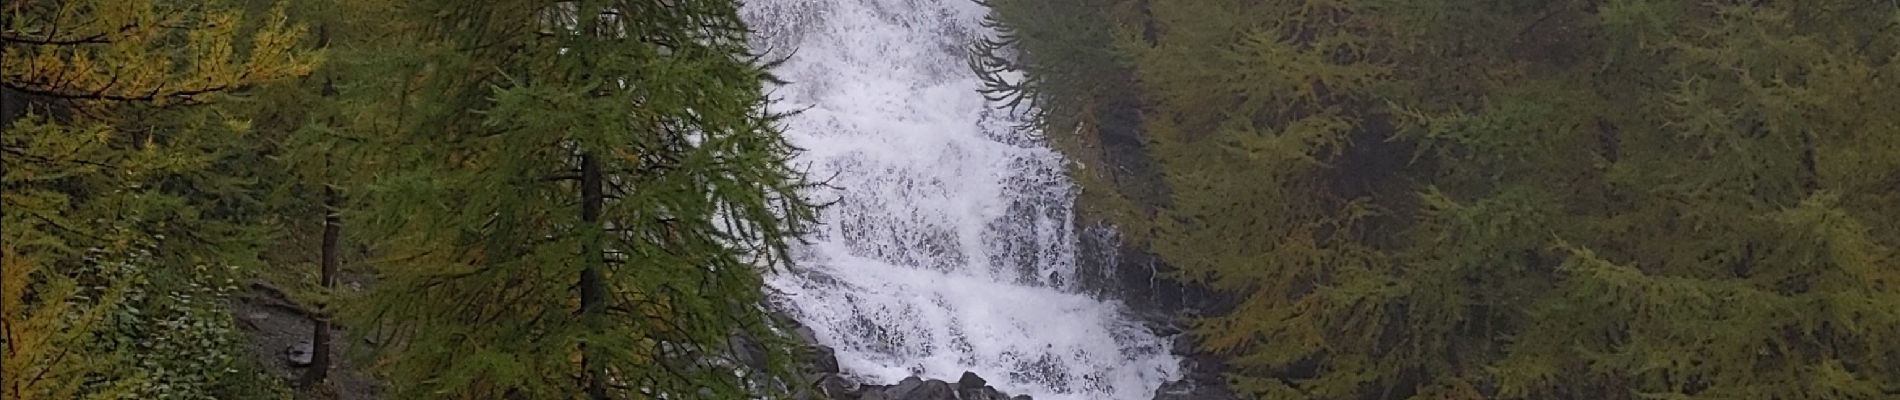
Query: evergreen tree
{"points": [[1065, 74], [1574, 200], [121, 224], [581, 207], [318, 135]]}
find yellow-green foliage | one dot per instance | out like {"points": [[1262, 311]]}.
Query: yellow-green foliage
{"points": [[164, 144], [142, 49], [1452, 199], [45, 334], [120, 215]]}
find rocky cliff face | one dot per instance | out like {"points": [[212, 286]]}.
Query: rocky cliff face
{"points": [[1121, 184], [1127, 272], [1110, 268], [1113, 264]]}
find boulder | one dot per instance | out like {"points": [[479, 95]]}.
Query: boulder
{"points": [[933, 390], [1186, 389], [973, 387], [299, 354], [749, 352], [984, 392], [823, 359], [901, 390], [968, 387], [970, 380], [805, 335], [832, 386], [872, 394]]}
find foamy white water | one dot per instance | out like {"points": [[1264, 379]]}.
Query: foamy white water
{"points": [[950, 247]]}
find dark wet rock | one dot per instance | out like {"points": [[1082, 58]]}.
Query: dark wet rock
{"points": [[902, 389], [968, 387], [1111, 267], [1162, 324], [932, 390], [823, 379], [973, 387], [813, 359], [1194, 389], [749, 351], [804, 334], [1201, 375], [970, 380], [832, 386], [981, 393], [822, 359]]}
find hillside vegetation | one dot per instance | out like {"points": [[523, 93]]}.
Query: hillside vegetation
{"points": [[531, 199], [1450, 199]]}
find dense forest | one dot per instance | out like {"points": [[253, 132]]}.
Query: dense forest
{"points": [[1449, 199], [528, 199], [1392, 199]]}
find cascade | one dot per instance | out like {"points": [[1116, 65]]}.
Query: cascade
{"points": [[948, 247]]}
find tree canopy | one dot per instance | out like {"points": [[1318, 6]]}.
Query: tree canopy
{"points": [[1549, 199], [124, 221], [547, 199], [593, 197]]}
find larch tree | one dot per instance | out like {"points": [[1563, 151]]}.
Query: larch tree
{"points": [[583, 208], [1261, 118], [319, 136], [1448, 199], [1070, 72], [1744, 246], [111, 204]]}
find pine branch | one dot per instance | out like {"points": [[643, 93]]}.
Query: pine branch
{"points": [[156, 93], [49, 41]]}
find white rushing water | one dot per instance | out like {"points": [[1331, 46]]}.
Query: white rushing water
{"points": [[949, 246]]}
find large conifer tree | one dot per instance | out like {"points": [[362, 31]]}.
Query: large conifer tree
{"points": [[584, 207]]}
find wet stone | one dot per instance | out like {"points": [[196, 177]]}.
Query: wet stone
{"points": [[299, 354], [970, 380]]}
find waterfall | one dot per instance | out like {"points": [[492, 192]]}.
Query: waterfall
{"points": [[949, 247]]}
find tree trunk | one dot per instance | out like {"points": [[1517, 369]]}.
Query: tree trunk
{"points": [[12, 107], [1810, 174], [320, 341], [593, 291], [332, 228]]}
